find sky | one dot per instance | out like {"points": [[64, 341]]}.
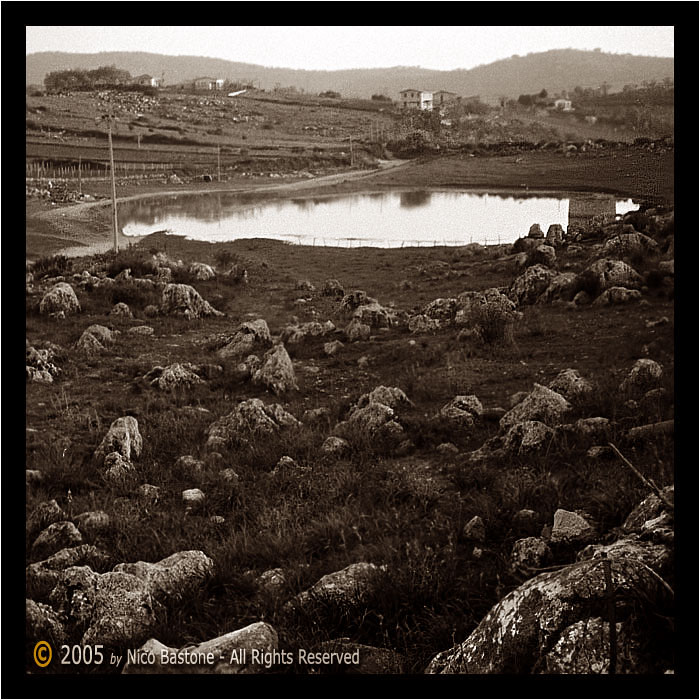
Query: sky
{"points": [[343, 47]]}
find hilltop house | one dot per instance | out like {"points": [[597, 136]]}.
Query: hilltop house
{"points": [[415, 99], [208, 83], [563, 105], [146, 79]]}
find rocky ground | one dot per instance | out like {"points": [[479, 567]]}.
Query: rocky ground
{"points": [[454, 460]]}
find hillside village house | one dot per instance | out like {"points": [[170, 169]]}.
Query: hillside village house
{"points": [[563, 105], [415, 99], [146, 79], [208, 83], [442, 97]]}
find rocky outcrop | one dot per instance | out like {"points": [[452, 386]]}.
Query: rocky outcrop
{"points": [[571, 385], [617, 295], [184, 300], [646, 374], [174, 377], [96, 339], [528, 437], [527, 288], [122, 437], [462, 410], [301, 332], [201, 271], [60, 301], [250, 419], [608, 273], [629, 245]]}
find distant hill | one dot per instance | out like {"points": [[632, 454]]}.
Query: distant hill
{"points": [[553, 70]]}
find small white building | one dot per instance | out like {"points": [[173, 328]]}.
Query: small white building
{"points": [[146, 79], [208, 83], [563, 105], [415, 99]]}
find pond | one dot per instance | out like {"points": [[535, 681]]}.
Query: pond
{"points": [[385, 220]]}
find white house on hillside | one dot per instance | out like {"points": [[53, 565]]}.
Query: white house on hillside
{"points": [[415, 99]]}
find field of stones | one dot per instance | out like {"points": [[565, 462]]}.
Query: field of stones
{"points": [[443, 460]]}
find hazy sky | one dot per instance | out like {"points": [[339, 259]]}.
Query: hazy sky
{"points": [[333, 48]]}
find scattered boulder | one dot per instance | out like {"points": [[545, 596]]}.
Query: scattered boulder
{"points": [[250, 419], [648, 510], [544, 255], [526, 522], [353, 585], [373, 315], [188, 466], [334, 446], [184, 300], [629, 245], [141, 330], [528, 554], [541, 404], [96, 339], [560, 287], [356, 330], [352, 300], [570, 527], [201, 271], [531, 284], [462, 410], [122, 437], [535, 231], [527, 437], [613, 273], [571, 385], [237, 652], [56, 536], [645, 375], [442, 310], [555, 235], [300, 333], [121, 310], [93, 522], [174, 377], [249, 337], [117, 468], [277, 371], [45, 514], [422, 323], [617, 295], [59, 301], [43, 622], [333, 348]]}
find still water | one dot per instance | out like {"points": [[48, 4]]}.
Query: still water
{"points": [[385, 220]]}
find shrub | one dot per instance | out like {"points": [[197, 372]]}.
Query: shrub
{"points": [[136, 261], [52, 266]]}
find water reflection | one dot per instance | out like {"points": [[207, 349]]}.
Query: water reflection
{"points": [[387, 219]]}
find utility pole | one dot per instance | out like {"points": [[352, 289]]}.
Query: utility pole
{"points": [[80, 174], [218, 161], [115, 225], [352, 158]]}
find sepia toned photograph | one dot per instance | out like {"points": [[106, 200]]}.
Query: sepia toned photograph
{"points": [[349, 350]]}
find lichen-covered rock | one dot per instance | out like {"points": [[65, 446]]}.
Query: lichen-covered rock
{"points": [[177, 376], [629, 245], [353, 585], [613, 273], [531, 284], [121, 310], [43, 622], [249, 337], [389, 396], [96, 339], [56, 536], [570, 527], [528, 554], [524, 625], [122, 437], [462, 410], [43, 515], [645, 375], [184, 300], [442, 310], [172, 578], [60, 299], [250, 419], [356, 330], [421, 323], [375, 421], [277, 371], [544, 255], [93, 522], [201, 271], [571, 385], [374, 315], [528, 437], [193, 499], [334, 446], [231, 653], [649, 509], [541, 404], [596, 429], [560, 287], [356, 298], [272, 581], [117, 468], [141, 330], [617, 295], [301, 332], [40, 364], [333, 348], [43, 576]]}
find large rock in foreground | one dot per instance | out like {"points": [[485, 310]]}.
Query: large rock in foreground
{"points": [[60, 301], [541, 404], [277, 372]]}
